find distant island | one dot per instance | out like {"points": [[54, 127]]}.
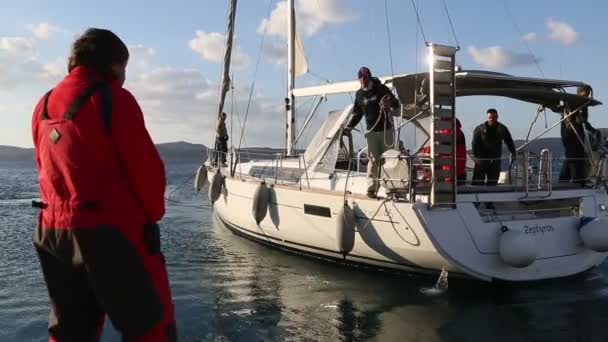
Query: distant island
{"points": [[172, 152], [180, 151]]}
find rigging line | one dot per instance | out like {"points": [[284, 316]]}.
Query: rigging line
{"points": [[257, 65], [506, 7], [388, 32], [232, 109], [451, 24], [238, 119], [318, 76], [419, 22], [415, 76]]}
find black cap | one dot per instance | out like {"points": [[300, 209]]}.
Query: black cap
{"points": [[364, 71]]}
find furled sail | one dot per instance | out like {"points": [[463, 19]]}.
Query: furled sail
{"points": [[225, 83], [301, 65]]}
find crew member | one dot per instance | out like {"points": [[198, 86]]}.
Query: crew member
{"points": [[102, 187], [376, 102]]}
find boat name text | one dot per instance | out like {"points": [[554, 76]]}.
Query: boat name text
{"points": [[538, 229]]}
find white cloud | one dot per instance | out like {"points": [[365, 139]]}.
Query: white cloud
{"points": [[15, 48], [529, 37], [140, 56], [498, 56], [210, 45], [561, 32], [181, 104], [275, 53], [312, 15], [43, 30], [19, 65]]}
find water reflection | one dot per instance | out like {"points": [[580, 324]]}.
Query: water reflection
{"points": [[290, 297], [227, 288]]}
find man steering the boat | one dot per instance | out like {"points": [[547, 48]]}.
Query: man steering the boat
{"points": [[376, 102]]}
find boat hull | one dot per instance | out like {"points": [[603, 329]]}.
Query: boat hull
{"points": [[392, 235]]}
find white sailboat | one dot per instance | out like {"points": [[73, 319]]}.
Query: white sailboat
{"points": [[315, 202]]}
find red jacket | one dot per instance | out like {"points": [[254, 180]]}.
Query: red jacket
{"points": [[461, 150], [92, 176]]}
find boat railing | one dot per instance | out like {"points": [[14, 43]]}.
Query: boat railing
{"points": [[527, 172], [359, 159]]}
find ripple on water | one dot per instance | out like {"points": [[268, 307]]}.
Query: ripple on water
{"points": [[226, 288]]}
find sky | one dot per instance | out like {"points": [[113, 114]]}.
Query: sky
{"points": [[176, 49]]}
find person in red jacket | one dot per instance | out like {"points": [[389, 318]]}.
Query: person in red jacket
{"points": [[461, 155], [102, 186]]}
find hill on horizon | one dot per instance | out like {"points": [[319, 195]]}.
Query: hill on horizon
{"points": [[179, 151], [182, 151]]}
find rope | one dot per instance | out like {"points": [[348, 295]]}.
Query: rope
{"points": [[257, 65], [419, 22], [451, 25], [232, 110], [319, 76], [506, 7], [181, 204], [388, 32], [415, 84], [179, 187], [168, 197]]}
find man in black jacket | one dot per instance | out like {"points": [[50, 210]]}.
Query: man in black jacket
{"points": [[374, 101], [487, 149], [576, 166]]}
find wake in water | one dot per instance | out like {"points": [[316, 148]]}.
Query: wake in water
{"points": [[440, 287]]}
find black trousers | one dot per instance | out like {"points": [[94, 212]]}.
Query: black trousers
{"points": [[93, 272], [489, 169], [574, 170]]}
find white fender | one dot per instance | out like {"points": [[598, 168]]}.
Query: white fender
{"points": [[516, 248], [201, 178], [215, 186], [261, 199], [594, 233], [345, 229]]}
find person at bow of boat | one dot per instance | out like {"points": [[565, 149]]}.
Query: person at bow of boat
{"points": [[487, 149], [576, 165], [221, 141], [102, 185], [376, 102]]}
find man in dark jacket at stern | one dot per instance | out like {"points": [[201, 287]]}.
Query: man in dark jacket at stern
{"points": [[487, 149]]}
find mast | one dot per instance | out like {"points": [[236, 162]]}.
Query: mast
{"points": [[225, 83], [289, 101]]}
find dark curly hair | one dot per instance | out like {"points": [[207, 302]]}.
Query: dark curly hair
{"points": [[98, 49]]}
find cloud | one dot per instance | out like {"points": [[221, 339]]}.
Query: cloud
{"points": [[529, 37], [181, 104], [178, 103], [210, 46], [15, 48], [561, 32], [312, 15], [19, 65], [42, 31], [140, 56], [498, 56], [275, 53]]}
